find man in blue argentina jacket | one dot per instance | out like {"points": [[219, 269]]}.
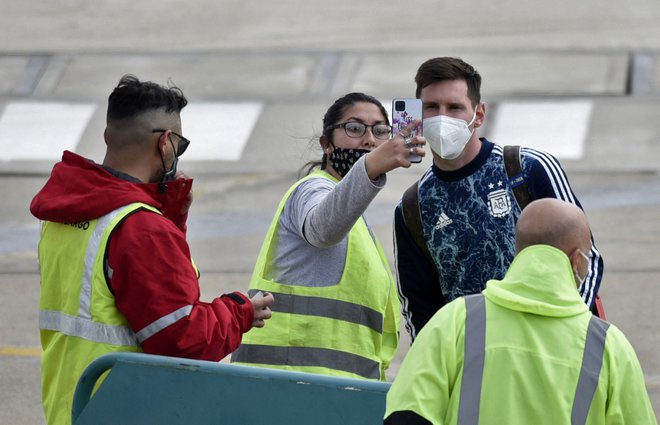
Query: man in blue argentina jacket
{"points": [[466, 202]]}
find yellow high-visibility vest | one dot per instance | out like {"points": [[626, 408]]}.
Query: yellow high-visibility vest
{"points": [[348, 329], [78, 319]]}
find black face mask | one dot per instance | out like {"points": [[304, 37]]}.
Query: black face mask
{"points": [[342, 160]]}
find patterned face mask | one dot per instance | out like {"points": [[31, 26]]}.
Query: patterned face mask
{"points": [[342, 160]]}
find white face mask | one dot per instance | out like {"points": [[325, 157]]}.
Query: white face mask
{"points": [[447, 136]]}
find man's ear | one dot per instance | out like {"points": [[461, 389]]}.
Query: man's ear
{"points": [[481, 115], [161, 143], [574, 259]]}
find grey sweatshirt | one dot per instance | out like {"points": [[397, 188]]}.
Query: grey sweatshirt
{"points": [[314, 226]]}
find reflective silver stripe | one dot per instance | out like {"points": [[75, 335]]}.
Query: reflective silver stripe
{"points": [[473, 364], [165, 321], [87, 329], [475, 350], [592, 361], [91, 252], [307, 356], [325, 307]]}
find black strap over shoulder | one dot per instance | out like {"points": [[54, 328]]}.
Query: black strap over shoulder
{"points": [[413, 219], [515, 175]]}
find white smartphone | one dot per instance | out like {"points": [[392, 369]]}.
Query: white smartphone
{"points": [[405, 111]]}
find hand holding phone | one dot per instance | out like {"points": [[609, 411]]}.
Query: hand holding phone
{"points": [[405, 111]]}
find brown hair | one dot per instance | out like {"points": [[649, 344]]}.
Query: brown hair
{"points": [[447, 68]]}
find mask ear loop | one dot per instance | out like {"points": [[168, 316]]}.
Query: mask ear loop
{"points": [[326, 154], [474, 117], [581, 280]]}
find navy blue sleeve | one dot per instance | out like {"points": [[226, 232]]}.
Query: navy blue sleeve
{"points": [[418, 286], [405, 417], [546, 178]]}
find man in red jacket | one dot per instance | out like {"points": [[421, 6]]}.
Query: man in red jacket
{"points": [[116, 270]]}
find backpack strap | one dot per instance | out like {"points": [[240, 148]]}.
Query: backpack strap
{"points": [[515, 175], [413, 220]]}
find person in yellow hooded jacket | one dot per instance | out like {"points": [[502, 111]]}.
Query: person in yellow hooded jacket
{"points": [[336, 310], [526, 350]]}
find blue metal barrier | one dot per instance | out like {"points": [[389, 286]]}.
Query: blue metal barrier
{"points": [[146, 389]]}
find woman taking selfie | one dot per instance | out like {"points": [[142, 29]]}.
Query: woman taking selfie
{"points": [[336, 308]]}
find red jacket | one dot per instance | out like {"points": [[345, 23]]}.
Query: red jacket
{"points": [[150, 258]]}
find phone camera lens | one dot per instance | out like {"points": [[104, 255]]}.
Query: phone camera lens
{"points": [[400, 105]]}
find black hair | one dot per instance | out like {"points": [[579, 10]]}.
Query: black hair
{"points": [[447, 68], [133, 97], [334, 114]]}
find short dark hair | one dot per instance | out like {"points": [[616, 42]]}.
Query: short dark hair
{"points": [[447, 68], [133, 97]]}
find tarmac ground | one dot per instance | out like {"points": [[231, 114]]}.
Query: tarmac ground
{"points": [[587, 73]]}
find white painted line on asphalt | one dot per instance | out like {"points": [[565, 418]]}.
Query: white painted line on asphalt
{"points": [[31, 130], [559, 128], [218, 131]]}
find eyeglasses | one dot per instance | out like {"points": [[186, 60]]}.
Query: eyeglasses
{"points": [[357, 129], [183, 143]]}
